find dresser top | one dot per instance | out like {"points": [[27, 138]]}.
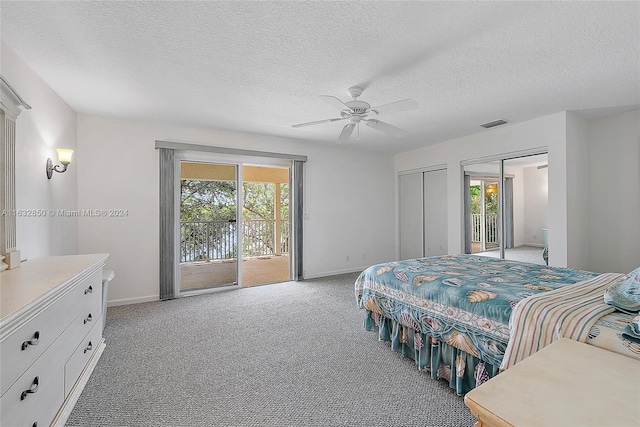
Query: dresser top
{"points": [[39, 278]]}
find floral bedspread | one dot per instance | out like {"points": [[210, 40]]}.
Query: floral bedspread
{"points": [[607, 334], [463, 300]]}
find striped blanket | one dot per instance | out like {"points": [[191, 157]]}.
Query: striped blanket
{"points": [[568, 312]]}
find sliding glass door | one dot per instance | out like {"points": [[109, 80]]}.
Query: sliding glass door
{"points": [[208, 225], [220, 206], [234, 223], [265, 225]]}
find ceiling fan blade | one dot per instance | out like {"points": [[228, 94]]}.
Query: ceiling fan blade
{"points": [[299, 125], [396, 107], [386, 128], [346, 133], [335, 102]]}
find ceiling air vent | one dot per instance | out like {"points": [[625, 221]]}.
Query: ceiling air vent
{"points": [[494, 124]]}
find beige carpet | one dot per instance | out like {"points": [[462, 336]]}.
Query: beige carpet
{"points": [[292, 354]]}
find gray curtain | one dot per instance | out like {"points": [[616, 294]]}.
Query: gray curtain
{"points": [[467, 215], [167, 224], [298, 212], [508, 213]]}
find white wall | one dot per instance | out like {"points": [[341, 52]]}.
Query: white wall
{"points": [[49, 124], [577, 167], [614, 190], [549, 131], [349, 199], [593, 184]]}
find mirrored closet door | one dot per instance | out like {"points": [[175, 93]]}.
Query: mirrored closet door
{"points": [[505, 203]]}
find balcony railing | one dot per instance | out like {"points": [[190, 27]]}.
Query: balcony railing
{"points": [[490, 229], [215, 240]]}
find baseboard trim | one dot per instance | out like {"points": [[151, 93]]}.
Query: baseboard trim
{"points": [[335, 272], [128, 301]]}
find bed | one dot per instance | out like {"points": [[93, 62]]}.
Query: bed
{"points": [[451, 314]]}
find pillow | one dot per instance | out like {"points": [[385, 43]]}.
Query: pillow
{"points": [[625, 294], [631, 332]]}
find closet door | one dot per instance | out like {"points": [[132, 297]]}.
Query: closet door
{"points": [[435, 213], [506, 208], [411, 215]]}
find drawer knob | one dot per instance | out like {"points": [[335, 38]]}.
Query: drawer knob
{"points": [[89, 347], [33, 341], [32, 389], [88, 290], [88, 319]]}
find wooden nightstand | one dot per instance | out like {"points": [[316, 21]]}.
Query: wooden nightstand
{"points": [[565, 384]]}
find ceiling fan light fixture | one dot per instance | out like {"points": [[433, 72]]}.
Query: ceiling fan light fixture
{"points": [[358, 107], [355, 91]]}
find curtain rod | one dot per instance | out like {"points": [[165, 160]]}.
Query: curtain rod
{"points": [[227, 150]]}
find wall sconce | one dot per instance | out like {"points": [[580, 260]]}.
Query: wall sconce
{"points": [[64, 157], [491, 189]]}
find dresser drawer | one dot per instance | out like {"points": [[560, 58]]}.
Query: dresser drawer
{"points": [[23, 346], [81, 356], [45, 380], [82, 325], [87, 292], [19, 350]]}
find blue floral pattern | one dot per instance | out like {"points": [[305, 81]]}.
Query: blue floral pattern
{"points": [[459, 303]]}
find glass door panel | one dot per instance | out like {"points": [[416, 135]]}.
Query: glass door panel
{"points": [[265, 223], [208, 225], [482, 205]]}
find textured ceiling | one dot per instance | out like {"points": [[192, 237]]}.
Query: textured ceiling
{"points": [[260, 66]]}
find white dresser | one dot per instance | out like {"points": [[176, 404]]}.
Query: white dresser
{"points": [[50, 337]]}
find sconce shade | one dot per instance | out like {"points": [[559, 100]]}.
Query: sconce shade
{"points": [[64, 155]]}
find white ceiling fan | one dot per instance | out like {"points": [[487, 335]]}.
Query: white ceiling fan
{"points": [[359, 111]]}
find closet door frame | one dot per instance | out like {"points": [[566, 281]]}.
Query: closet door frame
{"points": [[420, 171], [501, 196]]}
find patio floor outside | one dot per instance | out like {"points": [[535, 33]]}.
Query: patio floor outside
{"points": [[255, 270]]}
